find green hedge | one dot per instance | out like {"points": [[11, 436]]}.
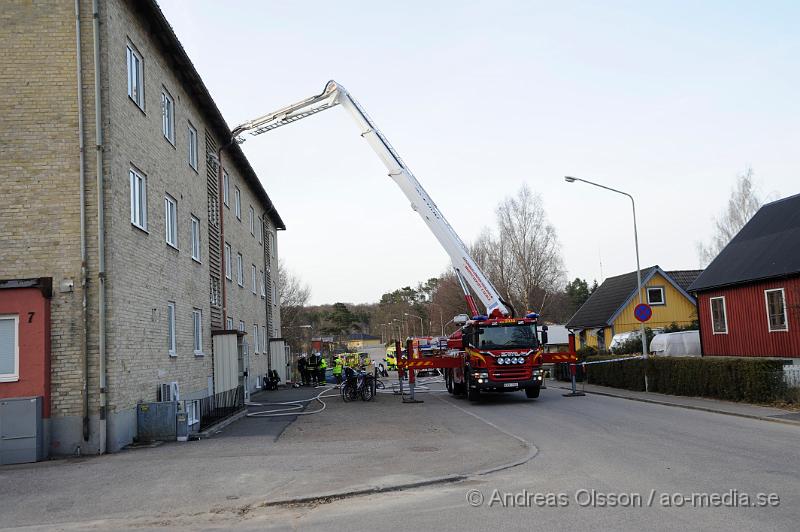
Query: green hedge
{"points": [[732, 379]]}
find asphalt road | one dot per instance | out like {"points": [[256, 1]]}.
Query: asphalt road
{"points": [[592, 450]]}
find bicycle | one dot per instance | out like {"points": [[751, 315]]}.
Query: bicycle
{"points": [[360, 384]]}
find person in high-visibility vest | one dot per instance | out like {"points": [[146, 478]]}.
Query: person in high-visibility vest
{"points": [[323, 365], [338, 365]]}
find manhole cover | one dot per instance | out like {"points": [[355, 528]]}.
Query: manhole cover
{"points": [[422, 449]]}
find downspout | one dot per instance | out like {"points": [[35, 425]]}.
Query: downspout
{"points": [[84, 277], [101, 244]]}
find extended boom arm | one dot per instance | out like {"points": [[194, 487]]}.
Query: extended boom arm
{"points": [[334, 94]]}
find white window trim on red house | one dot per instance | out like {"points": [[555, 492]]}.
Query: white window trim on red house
{"points": [[785, 314], [724, 314]]}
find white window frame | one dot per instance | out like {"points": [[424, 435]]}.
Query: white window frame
{"points": [[193, 412], [196, 252], [237, 203], [171, 331], [252, 221], [229, 323], [241, 326], [274, 294], [260, 229], [724, 314], [263, 284], [253, 271], [168, 116], [171, 220], [12, 377], [192, 146], [197, 331], [138, 182], [228, 262], [135, 66], [271, 239], [240, 269], [256, 343], [264, 339], [785, 314], [226, 188], [663, 295]]}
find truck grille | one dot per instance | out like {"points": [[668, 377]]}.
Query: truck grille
{"points": [[511, 374]]}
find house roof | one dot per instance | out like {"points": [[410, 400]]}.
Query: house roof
{"points": [[611, 297], [766, 247], [684, 278], [607, 299], [164, 35]]}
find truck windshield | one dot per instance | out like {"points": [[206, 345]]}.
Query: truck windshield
{"points": [[511, 336]]}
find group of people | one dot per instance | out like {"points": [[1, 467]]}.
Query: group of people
{"points": [[312, 369]]}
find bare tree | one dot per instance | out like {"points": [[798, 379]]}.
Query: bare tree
{"points": [[742, 205], [293, 295], [522, 259]]}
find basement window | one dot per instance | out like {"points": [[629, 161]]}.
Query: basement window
{"points": [[719, 319], [655, 295], [776, 310]]}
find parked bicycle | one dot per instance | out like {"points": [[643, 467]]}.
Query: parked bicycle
{"points": [[359, 384]]}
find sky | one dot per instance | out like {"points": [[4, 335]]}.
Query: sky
{"points": [[668, 101]]}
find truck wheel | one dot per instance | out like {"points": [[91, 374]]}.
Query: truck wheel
{"points": [[532, 392], [473, 394], [448, 380]]}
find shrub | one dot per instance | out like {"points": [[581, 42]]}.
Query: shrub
{"points": [[731, 379]]}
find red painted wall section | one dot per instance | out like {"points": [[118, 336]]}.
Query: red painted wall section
{"points": [[33, 309], [748, 331]]}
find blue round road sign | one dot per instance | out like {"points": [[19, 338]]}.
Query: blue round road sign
{"points": [[643, 312]]}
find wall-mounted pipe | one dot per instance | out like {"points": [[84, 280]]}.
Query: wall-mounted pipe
{"points": [[101, 245], [84, 274]]}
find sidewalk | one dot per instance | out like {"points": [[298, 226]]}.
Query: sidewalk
{"points": [[256, 461], [747, 410]]}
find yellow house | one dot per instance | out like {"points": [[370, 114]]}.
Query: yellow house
{"points": [[609, 310], [361, 342]]}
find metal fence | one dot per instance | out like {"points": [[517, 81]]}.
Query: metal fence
{"points": [[217, 407]]}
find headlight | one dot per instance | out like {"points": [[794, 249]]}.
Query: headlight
{"points": [[501, 361], [520, 360]]}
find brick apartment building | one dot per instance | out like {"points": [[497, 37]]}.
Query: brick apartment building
{"points": [[105, 297]]}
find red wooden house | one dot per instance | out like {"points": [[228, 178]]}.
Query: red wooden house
{"points": [[749, 297]]}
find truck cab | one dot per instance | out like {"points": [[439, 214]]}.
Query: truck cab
{"points": [[499, 355]]}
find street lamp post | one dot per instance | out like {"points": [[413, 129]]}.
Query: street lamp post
{"points": [[421, 326], [569, 179]]}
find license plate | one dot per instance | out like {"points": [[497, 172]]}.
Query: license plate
{"points": [[510, 385]]}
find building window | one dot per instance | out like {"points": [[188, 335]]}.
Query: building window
{"points": [[263, 283], [263, 339], [138, 199], [256, 343], [9, 348], [239, 269], [252, 222], [171, 221], [655, 295], [241, 326], [226, 188], [253, 275], [195, 239], [776, 310], [229, 323], [719, 319], [228, 267], [192, 147], [260, 229], [274, 294], [168, 117], [171, 329], [271, 240], [237, 203], [197, 327], [135, 77]]}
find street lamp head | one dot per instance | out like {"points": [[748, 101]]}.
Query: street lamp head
{"points": [[569, 179]]}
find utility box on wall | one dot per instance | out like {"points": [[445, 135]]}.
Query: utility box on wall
{"points": [[157, 421], [21, 438]]}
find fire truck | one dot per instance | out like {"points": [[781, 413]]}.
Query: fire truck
{"points": [[494, 351]]}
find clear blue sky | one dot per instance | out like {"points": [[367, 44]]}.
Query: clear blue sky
{"points": [[668, 101]]}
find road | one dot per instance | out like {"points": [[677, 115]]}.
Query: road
{"points": [[592, 445]]}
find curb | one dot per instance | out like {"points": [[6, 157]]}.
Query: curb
{"points": [[446, 479], [692, 407], [210, 431]]}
